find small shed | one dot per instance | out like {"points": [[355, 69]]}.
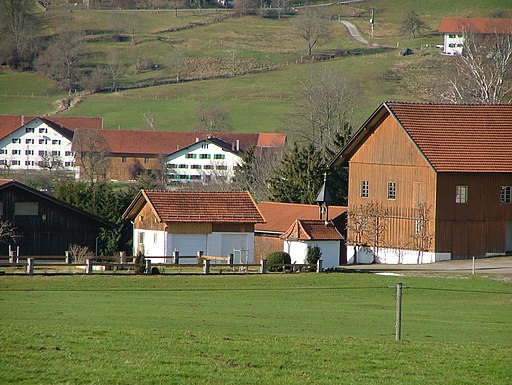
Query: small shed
{"points": [[216, 223], [308, 233]]}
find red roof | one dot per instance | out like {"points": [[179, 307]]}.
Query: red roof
{"points": [[475, 25], [271, 140], [280, 215], [167, 142], [204, 207], [10, 123], [309, 230], [459, 137]]}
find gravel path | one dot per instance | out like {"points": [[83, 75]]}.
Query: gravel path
{"points": [[354, 32]]}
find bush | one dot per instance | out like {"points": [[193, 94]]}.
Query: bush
{"points": [[278, 258], [155, 270], [313, 254], [140, 263]]}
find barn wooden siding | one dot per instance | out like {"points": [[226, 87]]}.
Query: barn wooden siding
{"points": [[52, 230], [478, 226], [121, 170]]}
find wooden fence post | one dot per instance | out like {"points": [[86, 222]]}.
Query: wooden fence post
{"points": [[319, 266], [199, 255], [263, 266], [148, 266], [206, 266], [12, 257], [176, 257], [88, 266], [30, 266], [122, 257], [69, 257]]}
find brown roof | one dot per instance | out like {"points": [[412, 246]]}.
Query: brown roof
{"points": [[10, 123], [280, 215], [167, 142], [475, 25], [452, 137], [308, 230], [188, 206], [462, 137]]}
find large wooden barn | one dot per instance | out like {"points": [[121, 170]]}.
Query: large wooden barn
{"points": [[46, 226], [430, 182]]}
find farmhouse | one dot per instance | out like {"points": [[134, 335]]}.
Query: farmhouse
{"points": [[215, 223], [454, 30], [47, 226], [430, 182], [181, 156], [281, 216], [40, 142]]}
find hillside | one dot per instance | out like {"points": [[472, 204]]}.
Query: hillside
{"points": [[249, 66]]}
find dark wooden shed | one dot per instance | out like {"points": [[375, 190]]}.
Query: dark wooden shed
{"points": [[47, 226]]}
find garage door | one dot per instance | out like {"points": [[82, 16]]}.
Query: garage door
{"points": [[188, 245]]}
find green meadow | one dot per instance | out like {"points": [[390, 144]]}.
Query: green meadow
{"points": [[253, 329]]}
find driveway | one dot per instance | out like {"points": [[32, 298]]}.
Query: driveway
{"points": [[495, 265], [354, 32]]}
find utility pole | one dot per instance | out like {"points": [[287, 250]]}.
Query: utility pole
{"points": [[398, 326], [372, 23]]}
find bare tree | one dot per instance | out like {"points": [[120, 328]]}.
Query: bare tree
{"points": [[18, 37], [61, 60], [484, 70], [280, 6], [245, 7], [422, 237], [8, 232], [114, 67], [91, 153], [413, 24], [133, 26], [96, 80], [324, 111], [178, 62], [311, 27], [51, 161], [149, 118], [213, 119]]}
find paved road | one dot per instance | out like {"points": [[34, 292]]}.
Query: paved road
{"points": [[495, 265], [354, 32]]}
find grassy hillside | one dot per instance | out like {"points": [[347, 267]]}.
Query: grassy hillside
{"points": [[259, 101]]}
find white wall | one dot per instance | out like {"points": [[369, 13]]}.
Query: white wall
{"points": [[154, 243], [453, 44], [394, 256], [330, 252], [44, 138], [202, 167]]}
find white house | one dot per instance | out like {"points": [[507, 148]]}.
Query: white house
{"points": [[455, 28], [35, 143], [216, 223], [203, 160], [307, 233]]}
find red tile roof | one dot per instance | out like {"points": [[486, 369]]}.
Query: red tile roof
{"points": [[271, 140], [475, 25], [167, 142], [459, 138], [10, 123], [204, 207], [279, 216], [308, 230]]}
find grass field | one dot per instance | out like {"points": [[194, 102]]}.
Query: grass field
{"points": [[272, 329]]}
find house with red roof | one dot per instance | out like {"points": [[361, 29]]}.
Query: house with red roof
{"points": [[454, 30], [40, 142], [430, 182], [183, 156], [215, 223], [280, 217]]}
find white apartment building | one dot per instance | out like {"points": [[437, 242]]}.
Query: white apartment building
{"points": [[38, 144], [203, 160]]}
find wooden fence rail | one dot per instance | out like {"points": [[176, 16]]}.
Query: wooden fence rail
{"points": [[206, 265]]}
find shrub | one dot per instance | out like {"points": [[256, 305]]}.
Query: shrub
{"points": [[140, 263], [278, 258], [313, 254], [155, 270]]}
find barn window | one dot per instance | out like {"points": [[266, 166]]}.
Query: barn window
{"points": [[25, 208], [506, 194], [461, 194], [364, 189], [391, 190]]}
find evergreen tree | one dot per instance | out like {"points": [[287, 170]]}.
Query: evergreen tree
{"points": [[300, 177]]}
